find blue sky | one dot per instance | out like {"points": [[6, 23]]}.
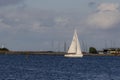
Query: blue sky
{"points": [[48, 24]]}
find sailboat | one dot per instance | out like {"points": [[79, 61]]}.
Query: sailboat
{"points": [[74, 49]]}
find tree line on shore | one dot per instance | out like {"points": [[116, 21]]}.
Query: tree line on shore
{"points": [[93, 50], [4, 49]]}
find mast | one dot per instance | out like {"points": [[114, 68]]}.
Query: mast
{"points": [[64, 46]]}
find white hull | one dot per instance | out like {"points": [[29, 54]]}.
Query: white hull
{"points": [[73, 55]]}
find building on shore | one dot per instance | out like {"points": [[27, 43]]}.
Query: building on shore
{"points": [[111, 51], [101, 52]]}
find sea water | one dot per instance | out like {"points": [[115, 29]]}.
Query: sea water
{"points": [[50, 67]]}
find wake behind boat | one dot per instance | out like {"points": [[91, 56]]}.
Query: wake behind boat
{"points": [[74, 49]]}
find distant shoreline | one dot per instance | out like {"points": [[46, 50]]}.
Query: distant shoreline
{"points": [[50, 53], [33, 52], [101, 54]]}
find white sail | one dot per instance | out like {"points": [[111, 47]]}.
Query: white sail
{"points": [[74, 49], [78, 47]]}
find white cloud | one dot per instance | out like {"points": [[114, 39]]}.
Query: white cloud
{"points": [[62, 21], [108, 7], [107, 16]]}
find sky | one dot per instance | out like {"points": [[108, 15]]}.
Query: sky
{"points": [[49, 24]]}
